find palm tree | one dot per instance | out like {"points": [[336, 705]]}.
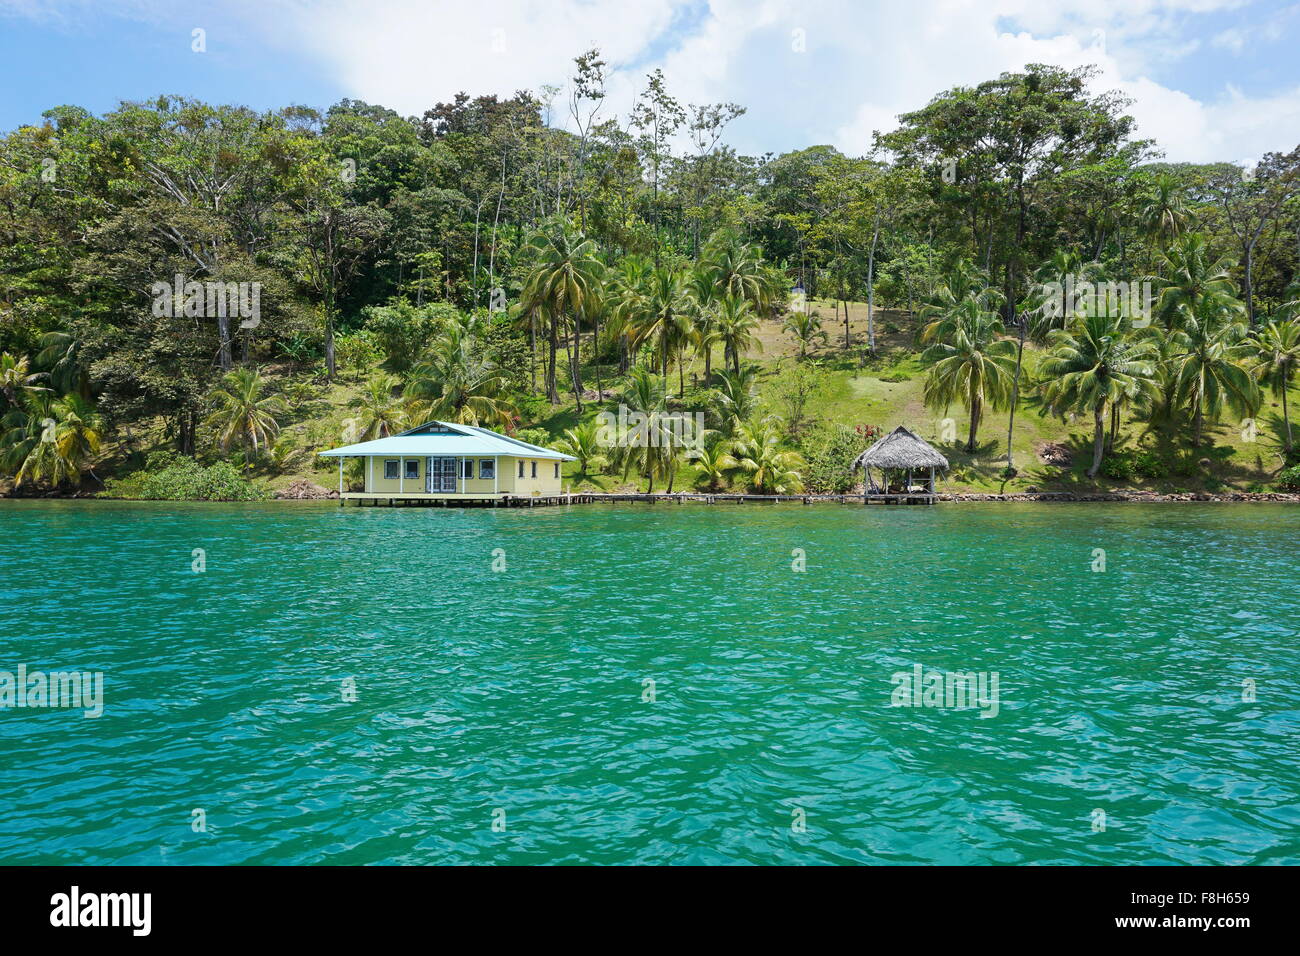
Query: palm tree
{"points": [[757, 454], [381, 413], [62, 356], [1209, 369], [51, 440], [1048, 310], [645, 394], [1194, 282], [806, 327], [738, 395], [713, 462], [1092, 365], [736, 329], [1277, 354], [17, 378], [242, 413], [1164, 213], [737, 268], [454, 382], [961, 280], [78, 434], [664, 319], [583, 443], [565, 280], [703, 293], [626, 297], [968, 362]]}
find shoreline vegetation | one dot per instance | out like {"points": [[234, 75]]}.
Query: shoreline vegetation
{"points": [[318, 494], [196, 299]]}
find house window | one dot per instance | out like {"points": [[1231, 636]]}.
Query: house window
{"points": [[557, 469], [412, 468], [487, 468], [521, 469], [468, 470], [534, 464], [390, 469]]}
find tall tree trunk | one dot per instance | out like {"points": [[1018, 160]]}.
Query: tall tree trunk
{"points": [[552, 389], [595, 355], [1098, 438], [532, 346], [871, 292], [1286, 418], [575, 359], [1015, 394], [1250, 290], [223, 334], [974, 422]]}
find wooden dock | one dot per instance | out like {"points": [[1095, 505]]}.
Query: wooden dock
{"points": [[364, 499]]}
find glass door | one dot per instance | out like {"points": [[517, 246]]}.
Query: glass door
{"points": [[441, 474]]}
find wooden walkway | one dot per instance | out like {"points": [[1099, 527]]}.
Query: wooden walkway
{"points": [[586, 498]]}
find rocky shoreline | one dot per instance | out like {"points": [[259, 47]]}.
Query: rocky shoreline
{"points": [[304, 490], [1149, 496]]}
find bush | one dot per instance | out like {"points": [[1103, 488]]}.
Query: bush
{"points": [[830, 453], [403, 331], [1131, 464], [168, 476], [1289, 479], [534, 436], [357, 352]]}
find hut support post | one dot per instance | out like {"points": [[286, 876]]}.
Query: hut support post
{"points": [[340, 477]]}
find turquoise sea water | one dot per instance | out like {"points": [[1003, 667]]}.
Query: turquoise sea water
{"points": [[520, 695]]}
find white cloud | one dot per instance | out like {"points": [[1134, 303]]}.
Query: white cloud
{"points": [[861, 64]]}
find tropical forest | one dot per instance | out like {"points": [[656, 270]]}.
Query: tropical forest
{"points": [[531, 263]]}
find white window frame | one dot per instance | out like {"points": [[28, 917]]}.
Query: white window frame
{"points": [[487, 468], [397, 469], [410, 474]]}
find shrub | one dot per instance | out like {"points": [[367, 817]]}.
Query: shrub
{"points": [[1131, 464], [534, 436], [829, 453], [1289, 479], [171, 477], [357, 352], [403, 331]]}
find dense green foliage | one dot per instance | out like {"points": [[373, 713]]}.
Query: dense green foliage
{"points": [[479, 264], [171, 477]]}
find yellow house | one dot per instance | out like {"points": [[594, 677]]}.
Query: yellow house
{"points": [[445, 460]]}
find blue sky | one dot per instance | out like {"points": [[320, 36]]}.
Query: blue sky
{"points": [[1211, 79]]}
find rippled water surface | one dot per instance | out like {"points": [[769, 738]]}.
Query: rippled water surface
{"points": [[520, 695]]}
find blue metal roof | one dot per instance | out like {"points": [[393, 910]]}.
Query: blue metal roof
{"points": [[446, 438]]}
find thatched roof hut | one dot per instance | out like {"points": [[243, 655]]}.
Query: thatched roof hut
{"points": [[901, 451]]}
